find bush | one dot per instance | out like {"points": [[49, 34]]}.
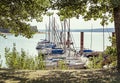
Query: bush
{"points": [[39, 63], [109, 57], [22, 60], [95, 62], [62, 65], [112, 55], [0, 62]]}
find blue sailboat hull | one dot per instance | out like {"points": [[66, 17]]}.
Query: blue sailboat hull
{"points": [[57, 51]]}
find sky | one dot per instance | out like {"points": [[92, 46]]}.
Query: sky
{"points": [[74, 23]]}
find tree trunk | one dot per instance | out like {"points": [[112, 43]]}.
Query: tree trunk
{"points": [[117, 31]]}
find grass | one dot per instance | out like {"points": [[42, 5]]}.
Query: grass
{"points": [[59, 76]]}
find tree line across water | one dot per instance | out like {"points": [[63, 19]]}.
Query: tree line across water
{"points": [[7, 30]]}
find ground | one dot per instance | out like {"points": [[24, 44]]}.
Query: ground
{"points": [[59, 76]]}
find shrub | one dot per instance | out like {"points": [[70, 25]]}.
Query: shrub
{"points": [[112, 55], [109, 57], [22, 60], [0, 62], [39, 63], [62, 65], [95, 62]]}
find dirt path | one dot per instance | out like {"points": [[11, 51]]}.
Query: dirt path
{"points": [[59, 76]]}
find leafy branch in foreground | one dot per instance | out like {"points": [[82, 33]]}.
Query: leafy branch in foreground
{"points": [[14, 15]]}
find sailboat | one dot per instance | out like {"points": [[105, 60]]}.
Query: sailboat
{"points": [[50, 44]]}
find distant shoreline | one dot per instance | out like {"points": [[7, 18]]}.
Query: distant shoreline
{"points": [[40, 33], [12, 33]]}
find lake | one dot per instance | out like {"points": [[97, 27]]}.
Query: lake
{"points": [[29, 45]]}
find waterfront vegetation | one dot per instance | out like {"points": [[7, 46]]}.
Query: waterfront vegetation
{"points": [[108, 58], [23, 60], [0, 62], [62, 65]]}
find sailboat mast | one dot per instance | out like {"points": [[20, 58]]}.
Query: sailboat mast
{"points": [[103, 39], [68, 35], [61, 34], [64, 37], [49, 30], [54, 30], [46, 31], [91, 36]]}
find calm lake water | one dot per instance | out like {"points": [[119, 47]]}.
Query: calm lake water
{"points": [[29, 45]]}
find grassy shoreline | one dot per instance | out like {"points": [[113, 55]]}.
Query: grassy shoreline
{"points": [[59, 76]]}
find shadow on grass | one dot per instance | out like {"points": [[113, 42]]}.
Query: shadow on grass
{"points": [[68, 76], [84, 76], [12, 75]]}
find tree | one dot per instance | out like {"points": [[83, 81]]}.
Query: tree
{"points": [[106, 10], [34, 28], [14, 15]]}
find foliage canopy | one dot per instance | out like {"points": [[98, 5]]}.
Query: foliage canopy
{"points": [[15, 13], [95, 9]]}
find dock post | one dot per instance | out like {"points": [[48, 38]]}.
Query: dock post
{"points": [[81, 41]]}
